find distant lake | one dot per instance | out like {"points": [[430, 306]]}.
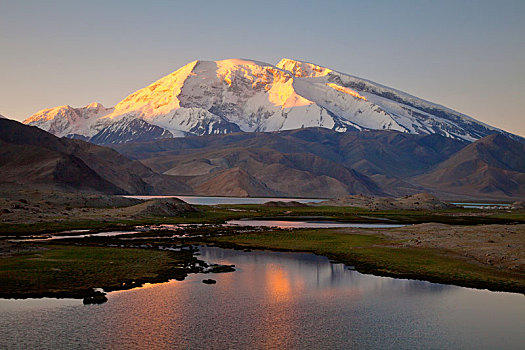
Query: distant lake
{"points": [[76, 234], [482, 205], [199, 200], [308, 224], [203, 200], [273, 301]]}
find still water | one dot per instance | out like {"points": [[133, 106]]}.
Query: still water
{"points": [[285, 224], [308, 224], [483, 205], [273, 301], [199, 200]]}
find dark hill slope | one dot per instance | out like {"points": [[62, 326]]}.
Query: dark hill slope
{"points": [[30, 157], [493, 166], [385, 152], [305, 162]]}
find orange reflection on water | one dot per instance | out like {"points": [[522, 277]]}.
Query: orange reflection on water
{"points": [[277, 282], [279, 285]]}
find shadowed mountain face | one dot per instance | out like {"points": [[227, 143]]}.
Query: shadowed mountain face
{"points": [[493, 166], [305, 162], [324, 163], [30, 157], [311, 162]]}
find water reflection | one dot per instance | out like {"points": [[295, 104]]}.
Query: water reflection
{"points": [[308, 224], [274, 300], [201, 200]]}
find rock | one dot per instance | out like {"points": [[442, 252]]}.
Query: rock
{"points": [[209, 281], [163, 207], [518, 205], [222, 268], [281, 204], [420, 201], [98, 298]]}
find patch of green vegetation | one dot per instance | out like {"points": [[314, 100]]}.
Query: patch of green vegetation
{"points": [[208, 215], [73, 271], [378, 255], [220, 214], [455, 216], [517, 215]]}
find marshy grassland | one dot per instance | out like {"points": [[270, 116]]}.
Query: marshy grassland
{"points": [[73, 271], [466, 247], [372, 251]]}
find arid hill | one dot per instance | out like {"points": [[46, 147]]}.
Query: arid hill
{"points": [[420, 201], [317, 162], [312, 162], [33, 158], [493, 166]]}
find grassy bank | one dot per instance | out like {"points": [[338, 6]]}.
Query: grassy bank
{"points": [[381, 256], [220, 214], [73, 271]]}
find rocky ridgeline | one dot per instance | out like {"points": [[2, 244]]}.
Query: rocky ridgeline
{"points": [[420, 201]]}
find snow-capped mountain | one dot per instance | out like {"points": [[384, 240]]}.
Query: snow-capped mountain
{"points": [[217, 97]]}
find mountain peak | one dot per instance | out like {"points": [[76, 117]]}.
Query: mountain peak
{"points": [[231, 95], [94, 105], [303, 69]]}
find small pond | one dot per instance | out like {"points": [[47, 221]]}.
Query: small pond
{"points": [[273, 301]]}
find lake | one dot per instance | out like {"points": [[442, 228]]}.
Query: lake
{"points": [[274, 300], [200, 200], [285, 224], [308, 224], [484, 205]]}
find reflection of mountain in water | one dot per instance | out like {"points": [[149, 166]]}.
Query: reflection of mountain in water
{"points": [[317, 272]]}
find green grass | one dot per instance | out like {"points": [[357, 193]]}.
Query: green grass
{"points": [[378, 255], [518, 215], [220, 214], [74, 271]]}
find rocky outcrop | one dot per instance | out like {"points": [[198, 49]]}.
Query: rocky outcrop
{"points": [[282, 204], [165, 207], [420, 201]]}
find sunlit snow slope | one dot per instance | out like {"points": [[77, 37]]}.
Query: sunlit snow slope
{"points": [[206, 97]]}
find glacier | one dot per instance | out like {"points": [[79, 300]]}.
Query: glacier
{"points": [[240, 95]]}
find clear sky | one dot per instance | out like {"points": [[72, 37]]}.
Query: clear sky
{"points": [[466, 55]]}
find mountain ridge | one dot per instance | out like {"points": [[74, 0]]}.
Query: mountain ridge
{"points": [[232, 95]]}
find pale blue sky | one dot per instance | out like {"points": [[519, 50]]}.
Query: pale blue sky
{"points": [[466, 55]]}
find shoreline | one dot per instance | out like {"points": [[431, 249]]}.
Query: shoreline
{"points": [[359, 239], [472, 248], [375, 251]]}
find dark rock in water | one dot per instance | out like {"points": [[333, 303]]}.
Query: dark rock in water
{"points": [[98, 298], [209, 281], [222, 268]]}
